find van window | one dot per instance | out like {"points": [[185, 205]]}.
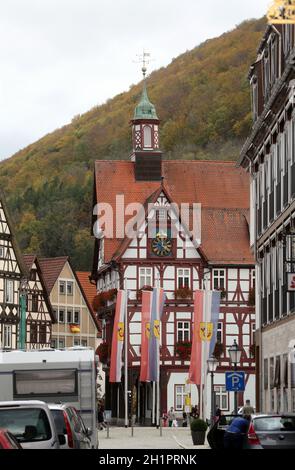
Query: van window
{"points": [[45, 382], [26, 424], [59, 421]]}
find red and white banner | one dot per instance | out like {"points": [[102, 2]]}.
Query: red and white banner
{"points": [[145, 335], [118, 337], [206, 314], [196, 354]]}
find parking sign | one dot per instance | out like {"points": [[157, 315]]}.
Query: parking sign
{"points": [[235, 381]]}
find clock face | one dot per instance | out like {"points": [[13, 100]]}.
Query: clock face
{"points": [[161, 245]]}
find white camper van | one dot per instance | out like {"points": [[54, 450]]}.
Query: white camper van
{"points": [[53, 376]]}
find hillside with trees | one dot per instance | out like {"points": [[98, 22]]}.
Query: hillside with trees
{"points": [[203, 100]]}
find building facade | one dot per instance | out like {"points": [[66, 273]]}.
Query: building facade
{"points": [[40, 316], [76, 324], [164, 250], [269, 157], [12, 271]]}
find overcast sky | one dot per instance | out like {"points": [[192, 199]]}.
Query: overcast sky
{"points": [[59, 58]]}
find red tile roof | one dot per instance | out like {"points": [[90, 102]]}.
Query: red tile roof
{"points": [[89, 291], [29, 260], [220, 187], [51, 269]]}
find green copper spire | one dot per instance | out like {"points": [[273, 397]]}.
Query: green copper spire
{"points": [[145, 109]]}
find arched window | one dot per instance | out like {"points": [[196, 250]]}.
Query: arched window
{"points": [[147, 136]]}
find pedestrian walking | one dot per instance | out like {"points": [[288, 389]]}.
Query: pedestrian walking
{"points": [[184, 422], [171, 416], [235, 433], [248, 408]]}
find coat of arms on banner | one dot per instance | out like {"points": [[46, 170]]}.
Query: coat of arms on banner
{"points": [[148, 330], [120, 331], [157, 329], [206, 331]]}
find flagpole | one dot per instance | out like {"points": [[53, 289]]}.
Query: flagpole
{"points": [[126, 359]]}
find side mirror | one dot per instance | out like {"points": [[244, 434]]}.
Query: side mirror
{"points": [[62, 439], [89, 432]]}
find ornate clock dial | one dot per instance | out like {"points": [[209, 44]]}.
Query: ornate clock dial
{"points": [[161, 246]]}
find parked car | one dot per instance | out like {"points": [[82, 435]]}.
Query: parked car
{"points": [[272, 432], [266, 431], [8, 441], [69, 422], [32, 424]]}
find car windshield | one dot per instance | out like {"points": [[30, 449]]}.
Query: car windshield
{"points": [[59, 420], [275, 423], [27, 425]]}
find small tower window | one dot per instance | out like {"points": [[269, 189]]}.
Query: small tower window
{"points": [[147, 136]]}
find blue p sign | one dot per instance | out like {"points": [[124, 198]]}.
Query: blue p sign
{"points": [[235, 381]]}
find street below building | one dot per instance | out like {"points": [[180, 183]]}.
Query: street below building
{"points": [[147, 438]]}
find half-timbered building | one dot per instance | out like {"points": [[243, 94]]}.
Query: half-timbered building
{"points": [[269, 157], [169, 255], [39, 316], [12, 270]]}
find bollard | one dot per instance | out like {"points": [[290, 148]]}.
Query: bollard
{"points": [[161, 427], [108, 431], [132, 431]]}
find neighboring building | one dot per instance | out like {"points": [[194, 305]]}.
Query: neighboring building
{"points": [[269, 157], [12, 270], [40, 316], [171, 257], [89, 290], [76, 323]]}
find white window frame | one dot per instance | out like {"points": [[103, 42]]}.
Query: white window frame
{"points": [[147, 136], [53, 344], [180, 392], [70, 288], [220, 331], [9, 291], [76, 341], [77, 313], [7, 336], [64, 320], [61, 290], [182, 327], [145, 277], [219, 277], [184, 275], [84, 342], [69, 311], [61, 343], [220, 394]]}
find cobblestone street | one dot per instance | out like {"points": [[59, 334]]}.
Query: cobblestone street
{"points": [[147, 438]]}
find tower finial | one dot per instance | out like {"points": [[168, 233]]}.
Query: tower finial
{"points": [[144, 59]]}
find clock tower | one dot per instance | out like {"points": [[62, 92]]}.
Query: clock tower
{"points": [[146, 154]]}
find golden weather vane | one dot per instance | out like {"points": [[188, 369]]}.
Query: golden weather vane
{"points": [[281, 12]]}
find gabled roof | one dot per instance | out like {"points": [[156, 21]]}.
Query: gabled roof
{"points": [[30, 260], [220, 187], [51, 269], [89, 291], [11, 225]]}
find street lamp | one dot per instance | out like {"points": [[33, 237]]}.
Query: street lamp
{"points": [[235, 357], [212, 363]]}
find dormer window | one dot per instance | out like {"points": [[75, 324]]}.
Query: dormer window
{"points": [[147, 136]]}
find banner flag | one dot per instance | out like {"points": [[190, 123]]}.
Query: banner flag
{"points": [[118, 338], [196, 354], [157, 304], [145, 335], [205, 321], [214, 319]]}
